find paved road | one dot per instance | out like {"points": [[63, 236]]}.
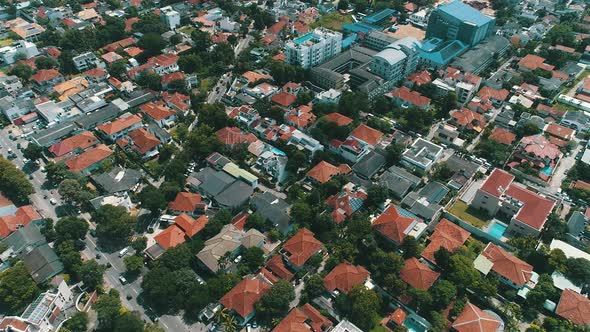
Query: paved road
{"points": [[242, 45], [219, 89], [564, 165]]}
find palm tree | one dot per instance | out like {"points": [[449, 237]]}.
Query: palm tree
{"points": [[224, 318]]}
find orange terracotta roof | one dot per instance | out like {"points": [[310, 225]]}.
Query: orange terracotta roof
{"points": [[324, 171], [245, 295], [502, 136], [170, 237], [88, 158], [157, 112], [177, 100], [398, 316], [133, 51], [574, 307], [341, 204], [417, 274], [185, 202], [253, 77], [233, 136], [277, 266], [95, 72], [277, 27], [119, 124], [21, 217], [8, 323], [189, 226], [302, 246], [539, 146], [560, 131], [167, 78], [44, 75], [130, 22], [81, 141], [345, 276], [486, 93], [304, 319], [467, 118], [446, 235], [284, 99], [497, 182], [473, 319], [508, 265], [392, 224], [535, 209], [579, 184], [112, 47], [410, 96], [532, 62], [420, 78], [367, 134], [338, 118], [143, 140]]}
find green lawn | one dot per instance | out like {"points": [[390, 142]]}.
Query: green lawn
{"points": [[6, 42], [379, 328], [333, 21], [564, 107], [468, 214], [187, 29]]}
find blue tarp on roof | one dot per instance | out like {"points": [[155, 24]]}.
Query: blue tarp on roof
{"points": [[464, 12], [358, 27], [380, 16]]}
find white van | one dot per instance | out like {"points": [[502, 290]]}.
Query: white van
{"points": [[123, 252]]}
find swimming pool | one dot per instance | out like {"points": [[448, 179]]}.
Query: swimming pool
{"points": [[497, 230], [547, 170], [414, 326], [277, 151], [303, 39]]}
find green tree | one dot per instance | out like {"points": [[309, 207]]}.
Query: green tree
{"points": [[153, 199], [314, 286], [461, 272], [275, 303], [70, 228], [114, 226], [364, 304], [578, 271], [91, 274], [343, 5], [149, 80], [443, 292], [139, 244], [17, 289], [557, 260], [393, 153], [253, 258], [14, 183], [150, 327], [376, 195], [77, 323], [152, 44], [442, 172], [33, 152], [410, 247], [128, 322], [108, 308], [256, 221], [22, 71], [44, 62], [57, 172], [133, 264], [73, 192]]}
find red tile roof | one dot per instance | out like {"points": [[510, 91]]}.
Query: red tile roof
{"points": [[560, 131], [497, 182], [486, 93], [367, 134], [12, 322], [119, 124], [502, 136], [532, 62], [324, 171], [535, 209], [473, 319], [245, 295], [133, 51], [157, 112], [130, 22], [177, 100], [417, 274], [304, 319], [277, 27], [44, 75], [393, 225], [21, 217], [189, 226], [170, 237], [284, 99], [233, 136], [96, 73], [446, 235], [410, 96], [345, 276], [540, 147], [167, 78], [123, 43], [467, 118], [88, 158], [143, 141], [508, 265], [185, 202], [302, 246], [574, 307], [341, 204], [420, 78], [277, 266], [81, 141], [579, 184], [338, 118]]}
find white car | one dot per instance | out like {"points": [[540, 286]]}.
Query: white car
{"points": [[52, 201], [238, 259]]}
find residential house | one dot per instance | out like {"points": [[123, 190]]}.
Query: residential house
{"points": [[369, 165], [467, 119], [531, 62], [116, 129], [229, 242], [398, 181], [89, 160], [241, 300], [118, 180], [539, 152], [300, 117], [140, 141], [231, 136], [502, 136], [183, 229], [177, 101], [346, 202], [277, 266], [45, 79], [528, 210], [425, 203], [187, 203], [161, 65], [86, 61], [324, 171], [224, 189], [406, 98], [395, 223], [73, 145], [344, 277], [359, 142], [272, 163], [337, 118], [299, 248], [560, 132], [159, 114], [304, 319], [418, 274], [12, 218], [284, 99], [574, 307], [421, 155], [509, 269], [495, 96], [576, 226], [273, 209], [473, 319], [446, 235]]}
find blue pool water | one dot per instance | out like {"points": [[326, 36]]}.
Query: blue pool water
{"points": [[303, 39], [497, 230], [547, 171], [277, 151], [413, 326]]}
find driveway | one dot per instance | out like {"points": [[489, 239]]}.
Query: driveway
{"points": [[565, 164]]}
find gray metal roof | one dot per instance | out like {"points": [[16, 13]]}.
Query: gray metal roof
{"points": [[369, 164], [117, 180], [42, 263], [50, 136], [273, 209]]}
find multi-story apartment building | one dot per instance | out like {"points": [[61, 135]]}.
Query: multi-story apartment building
{"points": [[398, 60], [313, 48]]}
